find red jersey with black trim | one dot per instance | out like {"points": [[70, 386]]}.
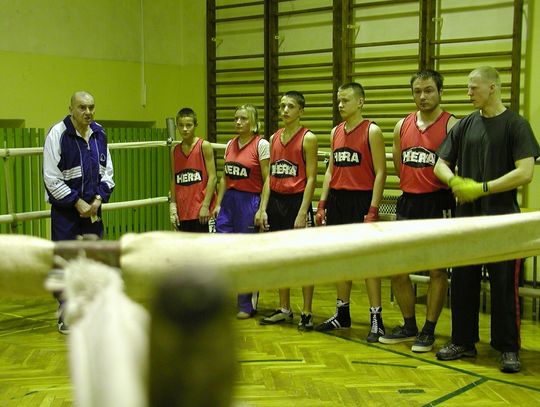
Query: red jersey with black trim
{"points": [[353, 164], [190, 181], [418, 155], [242, 168], [287, 164]]}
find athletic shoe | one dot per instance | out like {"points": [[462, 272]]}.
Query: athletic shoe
{"points": [[451, 351], [423, 343], [254, 301], [63, 328], [377, 328], [306, 323], [277, 317], [244, 315], [399, 334], [510, 362], [334, 322]]}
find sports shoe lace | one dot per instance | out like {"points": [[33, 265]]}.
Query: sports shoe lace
{"points": [[374, 323]]}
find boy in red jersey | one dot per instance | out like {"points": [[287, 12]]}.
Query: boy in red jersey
{"points": [[352, 190], [286, 200], [416, 139], [194, 177]]}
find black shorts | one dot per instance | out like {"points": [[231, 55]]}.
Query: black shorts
{"points": [[343, 207], [282, 210], [193, 226], [432, 205]]}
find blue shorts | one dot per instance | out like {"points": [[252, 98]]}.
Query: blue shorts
{"points": [[237, 212]]}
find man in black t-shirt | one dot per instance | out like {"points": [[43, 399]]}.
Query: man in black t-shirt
{"points": [[494, 151]]}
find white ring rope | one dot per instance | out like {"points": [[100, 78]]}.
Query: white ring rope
{"points": [[296, 257]]}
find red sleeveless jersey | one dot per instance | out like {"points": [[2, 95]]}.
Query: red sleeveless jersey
{"points": [[242, 168], [190, 179], [353, 164], [287, 166], [418, 156]]}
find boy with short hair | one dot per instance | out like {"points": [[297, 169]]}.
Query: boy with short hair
{"points": [[287, 196], [194, 181]]}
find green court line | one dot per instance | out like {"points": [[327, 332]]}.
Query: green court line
{"points": [[411, 391], [272, 361], [456, 393], [356, 362], [433, 362]]}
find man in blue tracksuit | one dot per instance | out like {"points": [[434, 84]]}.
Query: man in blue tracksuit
{"points": [[78, 174]]}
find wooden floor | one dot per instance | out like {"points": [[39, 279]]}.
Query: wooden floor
{"points": [[279, 366]]}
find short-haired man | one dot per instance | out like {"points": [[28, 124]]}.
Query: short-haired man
{"points": [[416, 139], [78, 176], [494, 151]]}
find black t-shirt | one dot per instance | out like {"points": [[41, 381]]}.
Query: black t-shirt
{"points": [[485, 149]]}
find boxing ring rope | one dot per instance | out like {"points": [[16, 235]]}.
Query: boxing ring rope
{"points": [[12, 217], [313, 255]]}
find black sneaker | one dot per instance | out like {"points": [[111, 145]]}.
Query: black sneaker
{"points": [[399, 334], [510, 362], [277, 317], [423, 343], [306, 323], [63, 328], [377, 328], [334, 323], [451, 351]]}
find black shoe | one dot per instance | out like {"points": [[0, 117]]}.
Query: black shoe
{"points": [[399, 334], [63, 328], [423, 343], [306, 323], [377, 328], [334, 322], [510, 362], [452, 351]]}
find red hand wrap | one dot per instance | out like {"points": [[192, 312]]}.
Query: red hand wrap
{"points": [[321, 215], [372, 215]]}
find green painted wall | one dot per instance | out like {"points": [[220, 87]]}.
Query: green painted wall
{"points": [[531, 96], [142, 59]]}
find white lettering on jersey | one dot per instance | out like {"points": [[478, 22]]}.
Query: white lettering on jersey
{"points": [[283, 169], [236, 170], [188, 177], [418, 157], [346, 157]]}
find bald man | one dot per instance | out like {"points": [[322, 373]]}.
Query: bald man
{"points": [[494, 151], [78, 175]]}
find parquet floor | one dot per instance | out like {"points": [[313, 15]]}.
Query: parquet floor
{"points": [[279, 366]]}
